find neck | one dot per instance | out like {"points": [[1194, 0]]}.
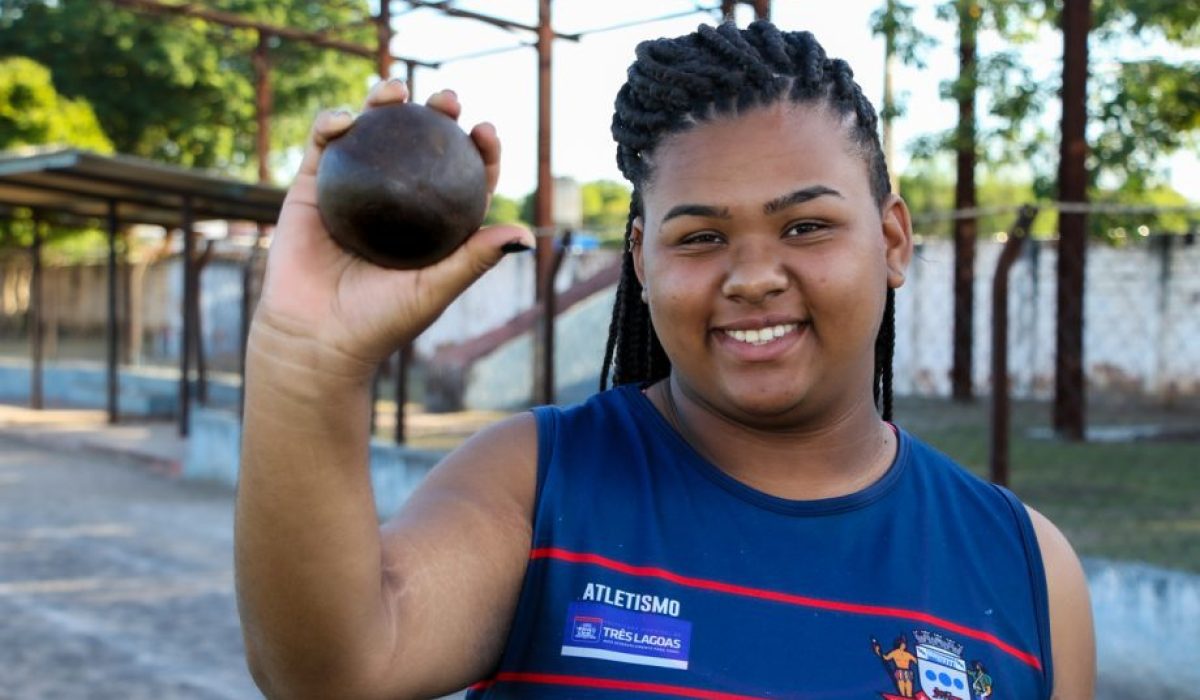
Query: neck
{"points": [[842, 454]]}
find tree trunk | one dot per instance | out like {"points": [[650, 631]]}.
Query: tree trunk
{"points": [[964, 198]]}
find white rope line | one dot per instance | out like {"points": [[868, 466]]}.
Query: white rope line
{"points": [[1062, 207]]}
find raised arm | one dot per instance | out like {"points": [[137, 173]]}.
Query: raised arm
{"points": [[1072, 637], [332, 606]]}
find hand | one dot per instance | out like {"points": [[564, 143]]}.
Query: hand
{"points": [[352, 312]]}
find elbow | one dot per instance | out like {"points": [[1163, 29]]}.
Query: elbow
{"points": [[305, 681]]}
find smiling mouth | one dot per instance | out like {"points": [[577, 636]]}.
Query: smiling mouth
{"points": [[762, 336]]}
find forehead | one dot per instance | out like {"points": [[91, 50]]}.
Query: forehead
{"points": [[757, 155]]}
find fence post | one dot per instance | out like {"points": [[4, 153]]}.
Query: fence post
{"points": [[998, 454]]}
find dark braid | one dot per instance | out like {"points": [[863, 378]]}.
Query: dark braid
{"points": [[679, 82], [885, 347]]}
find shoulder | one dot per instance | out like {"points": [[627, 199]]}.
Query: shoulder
{"points": [[1071, 633]]}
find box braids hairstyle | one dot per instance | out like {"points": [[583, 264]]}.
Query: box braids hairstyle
{"points": [[717, 71]]}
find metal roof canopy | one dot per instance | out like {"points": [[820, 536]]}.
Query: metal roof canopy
{"points": [[82, 184], [79, 186]]}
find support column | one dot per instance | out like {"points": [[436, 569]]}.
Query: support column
{"points": [[543, 217], [185, 340], [111, 327], [263, 105], [37, 297]]}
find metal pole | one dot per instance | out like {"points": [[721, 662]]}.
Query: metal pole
{"points": [[248, 271], [544, 200], [1069, 386], [262, 104], [965, 229], [383, 29], [1000, 398], [185, 341], [762, 9], [550, 306], [37, 294], [403, 359], [111, 328]]}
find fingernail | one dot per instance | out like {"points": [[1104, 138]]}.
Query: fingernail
{"points": [[514, 247]]}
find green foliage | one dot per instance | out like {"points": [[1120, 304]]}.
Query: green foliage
{"points": [[182, 90], [32, 113], [503, 210], [1151, 109], [1139, 113], [605, 208]]}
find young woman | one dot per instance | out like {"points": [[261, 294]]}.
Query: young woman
{"points": [[734, 520]]}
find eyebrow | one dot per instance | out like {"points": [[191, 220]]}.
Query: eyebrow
{"points": [[775, 205], [696, 210], [799, 197]]}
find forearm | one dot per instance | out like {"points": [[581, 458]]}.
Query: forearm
{"points": [[307, 538]]}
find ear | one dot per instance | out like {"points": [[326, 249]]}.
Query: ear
{"points": [[896, 224], [636, 238]]}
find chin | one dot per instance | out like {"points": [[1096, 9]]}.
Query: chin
{"points": [[769, 403]]}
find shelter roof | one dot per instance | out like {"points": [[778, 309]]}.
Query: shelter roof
{"points": [[81, 184]]}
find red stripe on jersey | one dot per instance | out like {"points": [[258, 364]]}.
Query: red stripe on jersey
{"points": [[608, 684], [780, 597]]}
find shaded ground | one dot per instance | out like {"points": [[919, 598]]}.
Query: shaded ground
{"points": [[114, 583], [1115, 498]]}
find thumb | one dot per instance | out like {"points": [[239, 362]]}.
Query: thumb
{"points": [[478, 254]]}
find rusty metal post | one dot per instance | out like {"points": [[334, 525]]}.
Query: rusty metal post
{"points": [[966, 228], [383, 32], [37, 297], [249, 268], [762, 9], [185, 341], [403, 359], [549, 316], [111, 326], [998, 454], [1069, 386], [543, 217], [728, 9], [263, 105]]}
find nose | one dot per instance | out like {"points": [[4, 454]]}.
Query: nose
{"points": [[756, 274]]}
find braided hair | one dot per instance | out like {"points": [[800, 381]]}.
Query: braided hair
{"points": [[720, 71]]}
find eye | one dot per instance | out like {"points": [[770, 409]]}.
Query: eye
{"points": [[701, 238], [803, 228]]}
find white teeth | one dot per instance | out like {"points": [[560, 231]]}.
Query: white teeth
{"points": [[762, 336]]}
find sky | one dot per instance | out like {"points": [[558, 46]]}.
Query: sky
{"points": [[502, 88]]}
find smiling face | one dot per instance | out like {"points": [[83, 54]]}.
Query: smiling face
{"points": [[766, 261]]}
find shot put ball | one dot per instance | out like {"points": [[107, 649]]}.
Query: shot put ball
{"points": [[403, 187]]}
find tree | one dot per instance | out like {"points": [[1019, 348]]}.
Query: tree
{"points": [[605, 208], [503, 210], [181, 90], [903, 42], [32, 112]]}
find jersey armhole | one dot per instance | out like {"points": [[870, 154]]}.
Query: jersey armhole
{"points": [[1037, 584], [547, 418]]}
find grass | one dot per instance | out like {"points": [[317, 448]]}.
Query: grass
{"points": [[1134, 500]]}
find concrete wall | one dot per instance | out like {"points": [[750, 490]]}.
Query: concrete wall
{"points": [[1140, 315], [213, 454], [1141, 319], [142, 391]]}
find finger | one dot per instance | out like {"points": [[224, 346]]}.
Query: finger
{"points": [[446, 102], [327, 126], [387, 92], [488, 143], [478, 254]]}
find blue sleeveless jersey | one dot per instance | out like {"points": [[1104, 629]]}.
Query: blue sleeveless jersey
{"points": [[654, 574]]}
